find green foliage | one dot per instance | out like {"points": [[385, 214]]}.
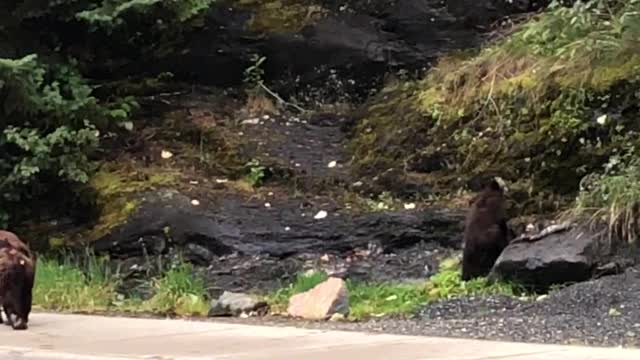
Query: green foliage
{"points": [[256, 173], [179, 291], [380, 299], [85, 282], [111, 13], [368, 299], [49, 127], [63, 285], [527, 108], [254, 74], [611, 198], [448, 283]]}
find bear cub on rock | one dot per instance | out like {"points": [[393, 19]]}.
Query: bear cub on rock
{"points": [[486, 232]]}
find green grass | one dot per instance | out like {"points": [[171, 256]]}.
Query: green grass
{"points": [[61, 285], [88, 283], [381, 299]]}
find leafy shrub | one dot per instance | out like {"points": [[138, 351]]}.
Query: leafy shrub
{"points": [[179, 291], [612, 198], [542, 108], [49, 128]]}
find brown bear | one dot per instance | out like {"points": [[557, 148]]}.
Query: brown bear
{"points": [[17, 274], [14, 241], [486, 232]]}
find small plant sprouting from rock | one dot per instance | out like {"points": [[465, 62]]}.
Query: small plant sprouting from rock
{"points": [[254, 75], [256, 173]]}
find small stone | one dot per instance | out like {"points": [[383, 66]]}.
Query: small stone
{"points": [[193, 182], [332, 164], [391, 298], [614, 312], [357, 184], [602, 119], [254, 121], [409, 206], [320, 215], [542, 297], [234, 304], [325, 258], [244, 315], [286, 228], [321, 302], [195, 202], [166, 154], [337, 317], [267, 205], [221, 181]]}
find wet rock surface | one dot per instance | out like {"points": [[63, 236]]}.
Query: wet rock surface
{"points": [[244, 244], [357, 41]]}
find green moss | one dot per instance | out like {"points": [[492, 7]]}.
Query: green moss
{"points": [[280, 16], [524, 108], [118, 190]]}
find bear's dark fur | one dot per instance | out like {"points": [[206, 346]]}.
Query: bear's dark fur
{"points": [[486, 232], [17, 274]]}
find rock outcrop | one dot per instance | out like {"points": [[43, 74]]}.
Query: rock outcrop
{"points": [[559, 254]]}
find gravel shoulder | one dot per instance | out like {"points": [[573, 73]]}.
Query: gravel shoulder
{"points": [[601, 312]]}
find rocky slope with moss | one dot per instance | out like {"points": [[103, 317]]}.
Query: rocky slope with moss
{"points": [[255, 190]]}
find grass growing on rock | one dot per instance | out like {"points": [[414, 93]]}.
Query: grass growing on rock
{"points": [[88, 284], [370, 299]]}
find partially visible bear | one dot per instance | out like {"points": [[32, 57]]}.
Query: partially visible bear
{"points": [[17, 275], [486, 231]]}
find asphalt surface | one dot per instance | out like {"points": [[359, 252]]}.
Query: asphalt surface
{"points": [[57, 336]]}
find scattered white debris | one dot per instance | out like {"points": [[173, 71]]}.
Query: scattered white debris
{"points": [[325, 258], [267, 205], [286, 228], [265, 117], [297, 164], [542, 297], [244, 315], [195, 202], [221, 181], [320, 215], [193, 182], [332, 164], [409, 206], [391, 298], [614, 312], [357, 184], [254, 121], [166, 154], [602, 119], [270, 193], [530, 228]]}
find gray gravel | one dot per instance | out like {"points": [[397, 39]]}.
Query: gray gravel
{"points": [[604, 312]]}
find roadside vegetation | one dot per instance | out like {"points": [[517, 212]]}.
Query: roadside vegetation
{"points": [[383, 299], [90, 284], [551, 107]]}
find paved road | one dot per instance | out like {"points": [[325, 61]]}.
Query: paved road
{"points": [[66, 337]]}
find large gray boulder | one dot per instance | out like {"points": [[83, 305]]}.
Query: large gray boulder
{"points": [[557, 255]]}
